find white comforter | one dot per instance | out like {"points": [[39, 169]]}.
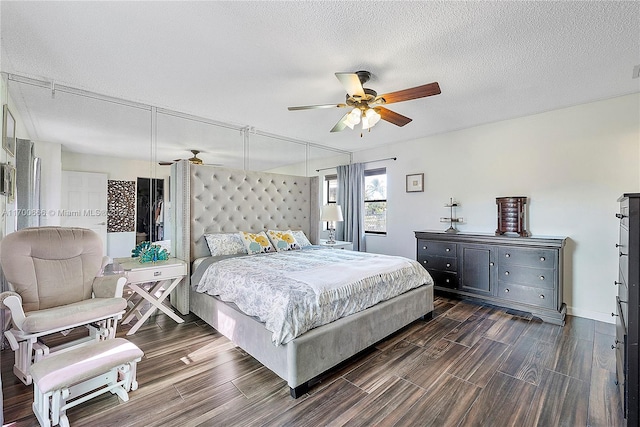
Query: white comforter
{"points": [[295, 291]]}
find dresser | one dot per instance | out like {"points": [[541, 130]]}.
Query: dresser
{"points": [[628, 306], [521, 273]]}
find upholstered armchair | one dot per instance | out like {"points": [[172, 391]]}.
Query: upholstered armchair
{"points": [[53, 277]]}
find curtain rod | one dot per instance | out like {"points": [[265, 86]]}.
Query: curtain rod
{"points": [[370, 161]]}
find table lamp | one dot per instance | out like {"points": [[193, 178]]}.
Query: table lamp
{"points": [[332, 213]]}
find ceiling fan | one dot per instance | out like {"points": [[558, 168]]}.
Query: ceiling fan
{"points": [[194, 160], [367, 106]]}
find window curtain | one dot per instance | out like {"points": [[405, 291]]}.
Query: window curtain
{"points": [[350, 196]]}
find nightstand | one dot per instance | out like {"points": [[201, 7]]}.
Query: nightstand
{"points": [[153, 282], [337, 245]]}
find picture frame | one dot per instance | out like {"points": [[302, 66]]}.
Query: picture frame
{"points": [[8, 131], [415, 183], [8, 182]]}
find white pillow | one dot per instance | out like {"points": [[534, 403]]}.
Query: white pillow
{"points": [[225, 244], [301, 238]]}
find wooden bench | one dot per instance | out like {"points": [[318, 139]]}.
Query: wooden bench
{"points": [[68, 379]]}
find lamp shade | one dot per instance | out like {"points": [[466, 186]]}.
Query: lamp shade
{"points": [[331, 212]]}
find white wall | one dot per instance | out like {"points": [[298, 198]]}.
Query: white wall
{"points": [[120, 244], [571, 163]]}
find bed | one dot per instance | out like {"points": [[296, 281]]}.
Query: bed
{"points": [[210, 200]]}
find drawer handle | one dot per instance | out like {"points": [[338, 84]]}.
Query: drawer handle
{"points": [[542, 258], [447, 250], [425, 262], [491, 264], [620, 216], [616, 283], [541, 277], [618, 246], [507, 255], [614, 346], [506, 273], [506, 291], [614, 315], [446, 280], [157, 273], [541, 296], [623, 254], [448, 265], [424, 247]]}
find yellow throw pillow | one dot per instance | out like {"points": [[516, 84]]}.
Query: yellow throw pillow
{"points": [[256, 243], [283, 240]]}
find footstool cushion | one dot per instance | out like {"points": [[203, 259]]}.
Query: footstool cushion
{"points": [[83, 363]]}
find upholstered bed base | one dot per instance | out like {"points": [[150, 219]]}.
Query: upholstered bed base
{"points": [[306, 357], [210, 199]]}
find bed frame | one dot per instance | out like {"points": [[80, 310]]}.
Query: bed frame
{"points": [[210, 199]]}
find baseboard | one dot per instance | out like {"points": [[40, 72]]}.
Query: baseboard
{"points": [[588, 314]]}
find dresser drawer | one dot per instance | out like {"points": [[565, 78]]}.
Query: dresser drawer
{"points": [[620, 345], [444, 279], [623, 215], [623, 252], [623, 298], [537, 277], [155, 273], [526, 294], [539, 258], [439, 263], [430, 248]]}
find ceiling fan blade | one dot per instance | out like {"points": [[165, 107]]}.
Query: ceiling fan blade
{"points": [[413, 93], [392, 116], [316, 107], [340, 125], [351, 83]]}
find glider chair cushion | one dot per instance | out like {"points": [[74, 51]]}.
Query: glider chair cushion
{"points": [[52, 273]]}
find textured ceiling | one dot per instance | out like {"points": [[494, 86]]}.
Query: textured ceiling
{"points": [[244, 63]]}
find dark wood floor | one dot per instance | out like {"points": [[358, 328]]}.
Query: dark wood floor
{"points": [[471, 365]]}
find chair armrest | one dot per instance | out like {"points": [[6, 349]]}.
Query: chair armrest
{"points": [[109, 286], [105, 261], [13, 301]]}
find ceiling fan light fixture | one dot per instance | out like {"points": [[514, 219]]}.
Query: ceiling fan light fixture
{"points": [[353, 118], [372, 117], [366, 124]]}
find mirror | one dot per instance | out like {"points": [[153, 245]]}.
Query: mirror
{"points": [[75, 130], [149, 210]]}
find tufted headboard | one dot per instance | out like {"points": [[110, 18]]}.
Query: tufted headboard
{"points": [[211, 199]]}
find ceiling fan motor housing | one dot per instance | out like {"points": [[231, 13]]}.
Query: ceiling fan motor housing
{"points": [[364, 76], [356, 101]]}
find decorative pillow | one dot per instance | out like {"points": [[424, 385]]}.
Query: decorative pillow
{"points": [[283, 240], [225, 244], [301, 238], [256, 243]]}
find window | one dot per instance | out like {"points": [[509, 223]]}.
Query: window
{"points": [[375, 201], [331, 188], [330, 193]]}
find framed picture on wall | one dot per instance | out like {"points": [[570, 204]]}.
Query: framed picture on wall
{"points": [[415, 182], [8, 131], [8, 182]]}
